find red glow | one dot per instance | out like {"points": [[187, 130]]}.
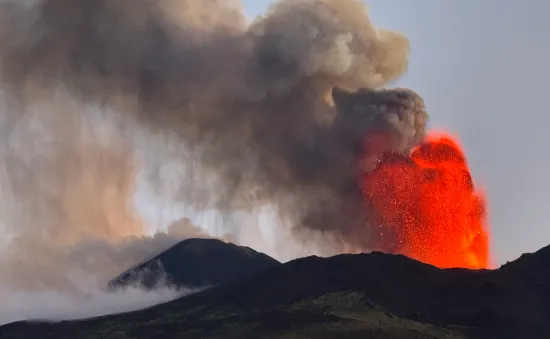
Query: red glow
{"points": [[428, 207]]}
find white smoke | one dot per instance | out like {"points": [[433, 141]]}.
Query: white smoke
{"points": [[57, 305]]}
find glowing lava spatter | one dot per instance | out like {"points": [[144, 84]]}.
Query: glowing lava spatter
{"points": [[428, 207]]}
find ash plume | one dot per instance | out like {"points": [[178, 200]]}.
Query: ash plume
{"points": [[191, 103], [251, 104]]}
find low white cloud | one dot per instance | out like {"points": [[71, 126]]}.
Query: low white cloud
{"points": [[51, 305]]}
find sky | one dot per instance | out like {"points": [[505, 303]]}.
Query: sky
{"points": [[482, 69]]}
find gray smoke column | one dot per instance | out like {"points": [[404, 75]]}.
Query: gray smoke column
{"points": [[249, 106]]}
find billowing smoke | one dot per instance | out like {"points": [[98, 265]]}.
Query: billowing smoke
{"points": [[188, 102], [251, 103]]}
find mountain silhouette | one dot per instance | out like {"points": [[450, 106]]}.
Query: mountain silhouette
{"points": [[196, 263], [347, 296]]}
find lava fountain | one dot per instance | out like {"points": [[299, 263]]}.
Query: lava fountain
{"points": [[427, 205]]}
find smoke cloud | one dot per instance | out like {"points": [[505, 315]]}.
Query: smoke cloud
{"points": [[46, 280], [185, 103], [250, 103]]}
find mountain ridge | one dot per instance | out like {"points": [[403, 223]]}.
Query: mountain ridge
{"points": [[194, 263], [348, 296]]}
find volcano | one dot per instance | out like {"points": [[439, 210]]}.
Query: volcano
{"points": [[347, 296]]}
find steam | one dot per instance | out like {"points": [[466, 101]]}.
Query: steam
{"points": [[55, 306], [60, 267], [51, 281], [108, 103]]}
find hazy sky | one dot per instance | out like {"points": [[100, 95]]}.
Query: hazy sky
{"points": [[482, 68]]}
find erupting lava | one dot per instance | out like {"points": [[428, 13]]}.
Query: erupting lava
{"points": [[428, 207]]}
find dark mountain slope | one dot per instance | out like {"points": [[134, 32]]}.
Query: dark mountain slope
{"points": [[197, 263], [347, 296], [343, 315]]}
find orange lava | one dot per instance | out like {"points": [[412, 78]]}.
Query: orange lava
{"points": [[428, 207]]}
